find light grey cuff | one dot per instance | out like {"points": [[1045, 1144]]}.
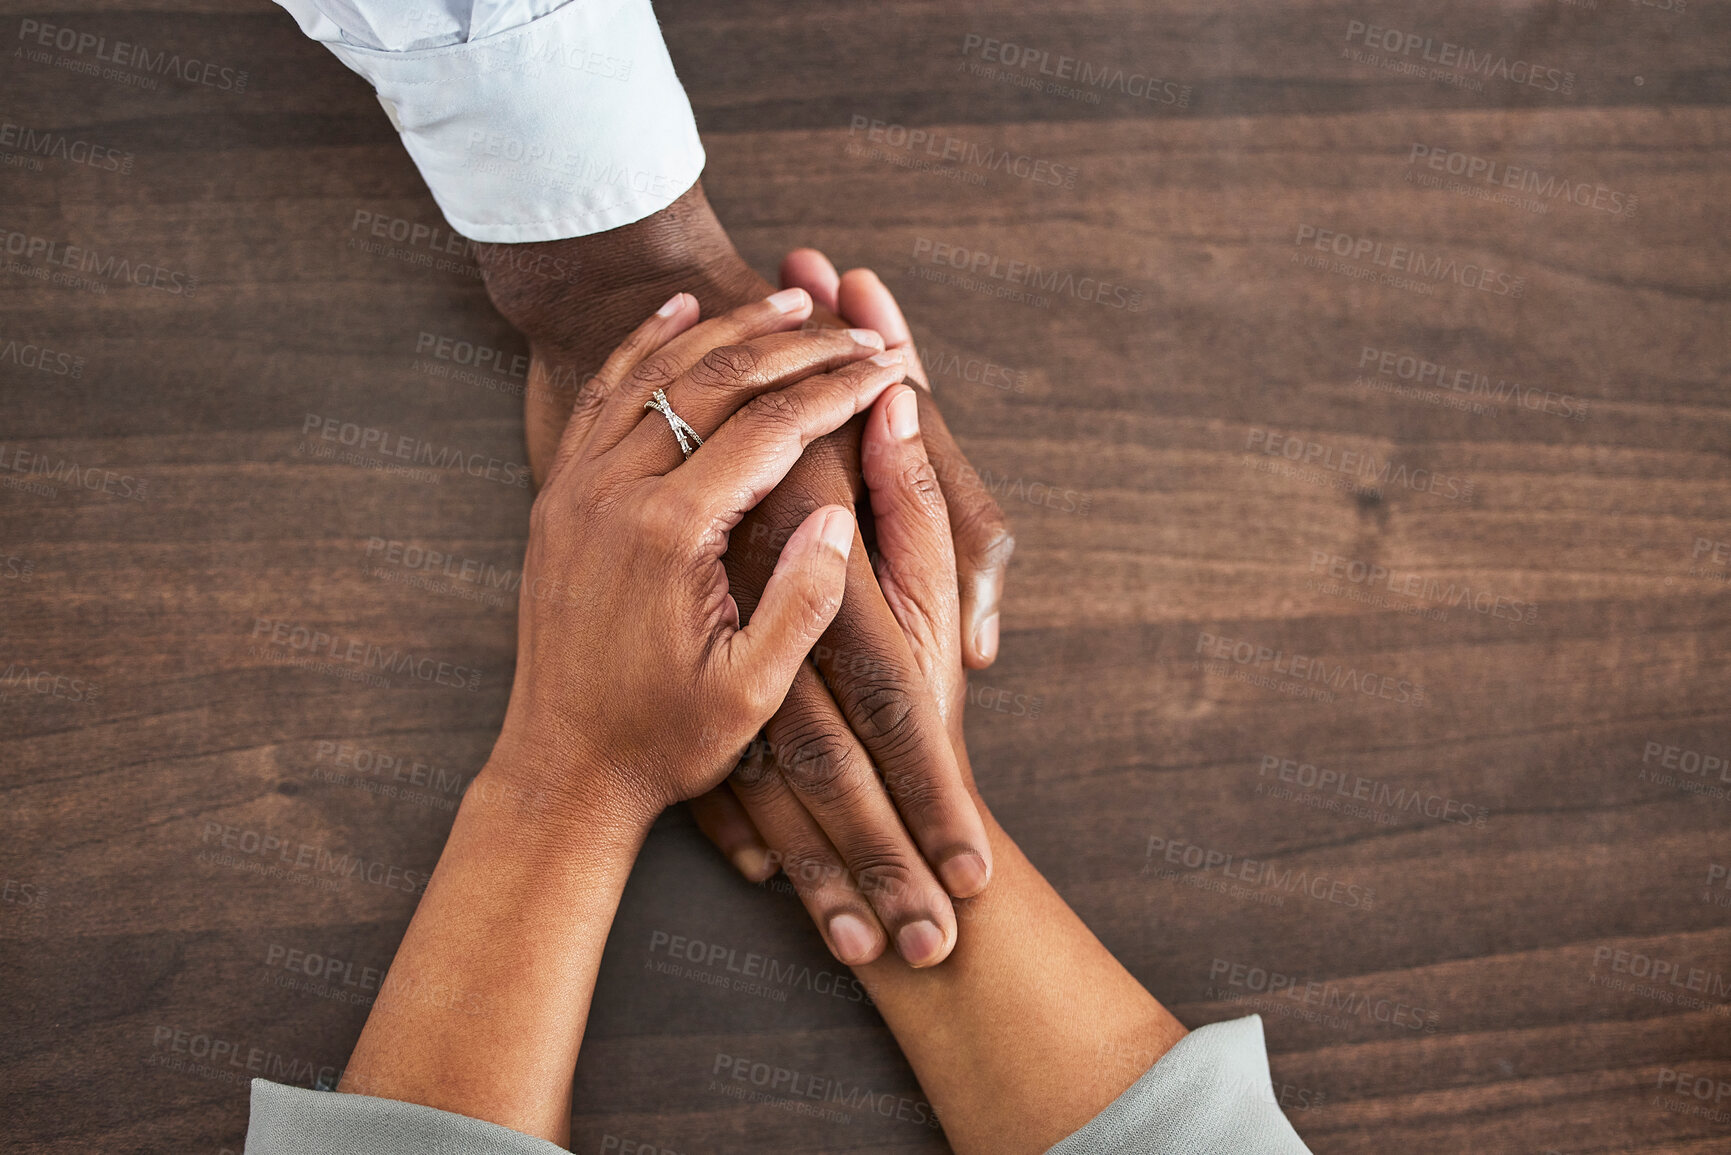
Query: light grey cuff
{"points": [[1209, 1095], [295, 1121]]}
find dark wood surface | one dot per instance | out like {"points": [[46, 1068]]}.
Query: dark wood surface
{"points": [[1477, 988]]}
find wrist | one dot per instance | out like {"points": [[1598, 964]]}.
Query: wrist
{"points": [[610, 281], [560, 794]]}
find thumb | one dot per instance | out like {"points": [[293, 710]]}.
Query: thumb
{"points": [[797, 606]]}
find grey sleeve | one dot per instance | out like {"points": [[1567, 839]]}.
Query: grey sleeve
{"points": [[1209, 1095], [295, 1121]]}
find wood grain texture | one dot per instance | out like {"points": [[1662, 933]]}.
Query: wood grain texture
{"points": [[1451, 986]]}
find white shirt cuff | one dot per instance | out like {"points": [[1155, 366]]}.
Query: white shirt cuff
{"points": [[571, 124]]}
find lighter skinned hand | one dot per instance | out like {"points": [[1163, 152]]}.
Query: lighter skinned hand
{"points": [[636, 681]]}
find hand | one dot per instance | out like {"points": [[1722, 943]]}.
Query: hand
{"points": [[635, 680], [735, 817], [874, 873]]}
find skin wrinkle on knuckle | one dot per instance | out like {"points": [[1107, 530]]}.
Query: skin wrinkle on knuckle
{"points": [[881, 713], [915, 793], [813, 753], [726, 366], [777, 415]]}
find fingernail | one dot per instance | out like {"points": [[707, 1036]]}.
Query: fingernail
{"points": [[838, 531], [787, 300], [964, 874], [887, 357], [870, 338], [905, 415], [853, 939], [986, 637], [920, 943], [752, 862], [672, 306]]}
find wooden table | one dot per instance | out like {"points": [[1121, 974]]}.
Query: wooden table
{"points": [[1357, 396]]}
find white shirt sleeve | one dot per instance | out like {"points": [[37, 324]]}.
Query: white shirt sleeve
{"points": [[530, 120]]}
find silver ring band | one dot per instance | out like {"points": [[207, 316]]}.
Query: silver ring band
{"points": [[688, 438]]}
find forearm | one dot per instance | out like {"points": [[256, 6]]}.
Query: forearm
{"points": [[1031, 1027], [483, 1009]]}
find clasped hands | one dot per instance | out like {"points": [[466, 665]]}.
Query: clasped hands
{"points": [[733, 643]]}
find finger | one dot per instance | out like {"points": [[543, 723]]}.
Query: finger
{"points": [[724, 821], [876, 680], [825, 768], [756, 447], [795, 608], [983, 542], [917, 566], [810, 270], [728, 376], [619, 411], [865, 301], [675, 317], [829, 893], [873, 676]]}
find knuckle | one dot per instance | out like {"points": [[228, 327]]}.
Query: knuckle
{"points": [[882, 714], [917, 794], [655, 373], [919, 478], [726, 365], [981, 530], [811, 868], [885, 877], [815, 756], [780, 411]]}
